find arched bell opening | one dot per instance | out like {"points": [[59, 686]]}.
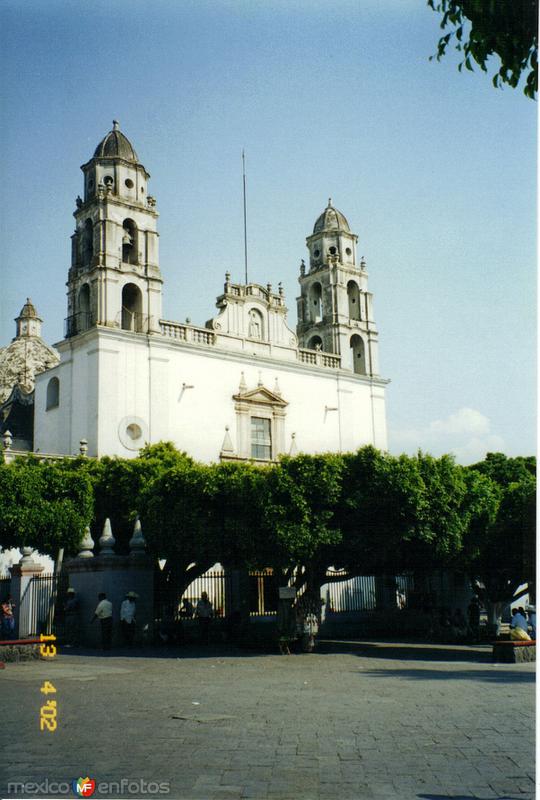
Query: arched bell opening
{"points": [[315, 302], [315, 343], [83, 308], [129, 242], [358, 355], [132, 317], [88, 242], [353, 294]]}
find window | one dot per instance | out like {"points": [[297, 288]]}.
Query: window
{"points": [[53, 394], [261, 438]]}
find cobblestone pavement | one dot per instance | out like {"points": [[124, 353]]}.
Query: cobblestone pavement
{"points": [[350, 721]]}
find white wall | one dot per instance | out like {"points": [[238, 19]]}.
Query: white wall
{"points": [[109, 379]]}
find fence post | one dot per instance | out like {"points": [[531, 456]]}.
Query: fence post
{"points": [[21, 578]]}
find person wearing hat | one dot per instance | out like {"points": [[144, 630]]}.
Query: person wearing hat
{"points": [[71, 619], [127, 618], [104, 612]]}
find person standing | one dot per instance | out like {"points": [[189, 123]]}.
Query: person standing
{"points": [[71, 617], [104, 612], [127, 618], [473, 613], [204, 613], [531, 614], [8, 618]]}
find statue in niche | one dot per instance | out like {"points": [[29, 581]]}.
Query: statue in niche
{"points": [[254, 330]]}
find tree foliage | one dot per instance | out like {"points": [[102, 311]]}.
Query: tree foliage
{"points": [[369, 512], [483, 28], [44, 505], [501, 554]]}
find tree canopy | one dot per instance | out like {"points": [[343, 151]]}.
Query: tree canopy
{"points": [[484, 28], [368, 512]]}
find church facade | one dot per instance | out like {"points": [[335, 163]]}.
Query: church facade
{"points": [[245, 386]]}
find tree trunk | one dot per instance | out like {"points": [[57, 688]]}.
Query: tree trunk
{"points": [[494, 612]]}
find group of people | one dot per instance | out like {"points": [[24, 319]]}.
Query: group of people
{"points": [[523, 624], [128, 623], [171, 629], [104, 613], [7, 618]]}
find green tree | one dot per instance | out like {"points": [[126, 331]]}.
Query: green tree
{"points": [[119, 484], [298, 514], [44, 505], [483, 28], [501, 554]]}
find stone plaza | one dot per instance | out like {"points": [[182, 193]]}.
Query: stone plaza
{"points": [[353, 720]]}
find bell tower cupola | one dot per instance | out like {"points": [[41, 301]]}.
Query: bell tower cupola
{"points": [[335, 309], [114, 280]]}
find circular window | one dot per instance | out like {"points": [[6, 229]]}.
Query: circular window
{"points": [[333, 251], [133, 432], [316, 253], [348, 251], [108, 180], [129, 183]]}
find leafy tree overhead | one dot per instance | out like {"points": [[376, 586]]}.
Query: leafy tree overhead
{"points": [[484, 28], [299, 516], [119, 484], [501, 555], [44, 505]]}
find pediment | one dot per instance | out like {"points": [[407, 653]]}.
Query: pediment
{"points": [[261, 395]]}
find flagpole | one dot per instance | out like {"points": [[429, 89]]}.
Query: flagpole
{"points": [[245, 216]]}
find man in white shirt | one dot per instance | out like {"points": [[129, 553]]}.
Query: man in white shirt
{"points": [[103, 612], [127, 617]]}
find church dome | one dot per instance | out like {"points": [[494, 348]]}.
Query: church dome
{"points": [[116, 145], [331, 220]]}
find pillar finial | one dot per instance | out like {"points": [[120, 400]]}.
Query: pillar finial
{"points": [[107, 540], [137, 543], [86, 545]]}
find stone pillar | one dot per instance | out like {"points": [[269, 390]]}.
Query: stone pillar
{"points": [[21, 576]]}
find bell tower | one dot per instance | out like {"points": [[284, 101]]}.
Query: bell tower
{"points": [[335, 309], [114, 278]]}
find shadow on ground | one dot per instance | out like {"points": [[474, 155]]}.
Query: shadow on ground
{"points": [[468, 797], [408, 651], [492, 675]]}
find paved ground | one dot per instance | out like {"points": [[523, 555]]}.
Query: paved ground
{"points": [[353, 721]]}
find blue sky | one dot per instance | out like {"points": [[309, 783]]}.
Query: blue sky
{"points": [[435, 171]]}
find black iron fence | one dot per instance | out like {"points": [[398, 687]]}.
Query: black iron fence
{"points": [[365, 592], [40, 603], [340, 594], [216, 584]]}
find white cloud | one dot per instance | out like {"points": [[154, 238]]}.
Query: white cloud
{"points": [[466, 433]]}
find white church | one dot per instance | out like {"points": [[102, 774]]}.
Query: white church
{"points": [[245, 386]]}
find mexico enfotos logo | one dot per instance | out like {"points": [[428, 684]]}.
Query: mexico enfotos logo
{"points": [[89, 787]]}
